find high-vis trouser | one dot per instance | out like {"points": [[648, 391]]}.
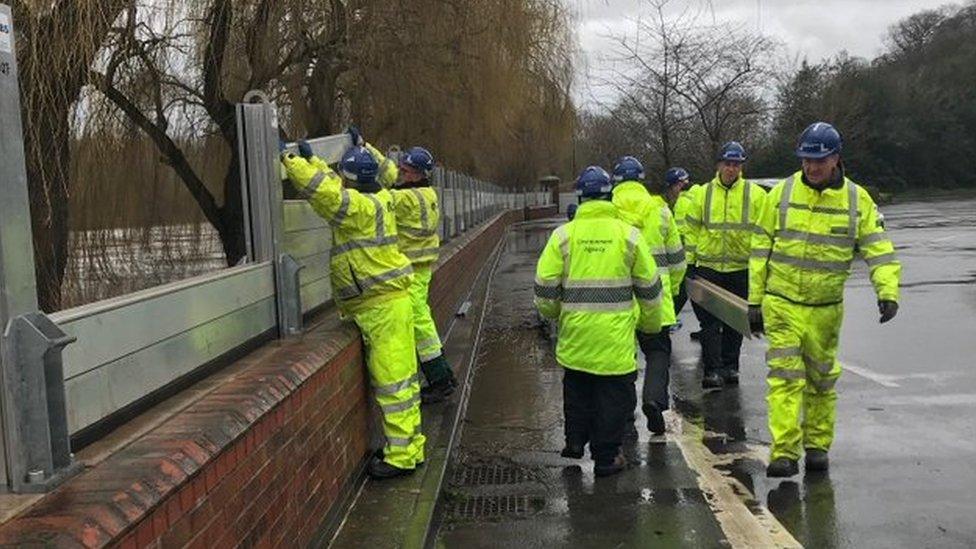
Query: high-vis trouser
{"points": [[387, 330], [428, 342], [802, 373]]}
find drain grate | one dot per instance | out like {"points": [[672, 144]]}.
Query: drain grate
{"points": [[489, 475], [495, 507]]}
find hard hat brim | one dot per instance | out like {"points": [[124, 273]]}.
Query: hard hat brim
{"points": [[815, 155]]}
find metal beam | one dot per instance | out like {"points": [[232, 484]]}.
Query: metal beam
{"points": [[726, 306]]}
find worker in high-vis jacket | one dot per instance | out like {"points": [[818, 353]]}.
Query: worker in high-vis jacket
{"points": [[370, 282], [718, 235], [812, 226], [596, 276], [418, 218], [649, 213], [676, 181]]}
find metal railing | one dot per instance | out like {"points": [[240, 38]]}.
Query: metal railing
{"points": [[124, 349]]}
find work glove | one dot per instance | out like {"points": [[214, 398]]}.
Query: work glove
{"points": [[755, 319], [304, 149], [357, 138], [888, 309]]}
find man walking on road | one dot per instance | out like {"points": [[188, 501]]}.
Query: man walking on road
{"points": [[417, 219], [650, 215], [596, 275], [810, 229], [719, 232], [676, 180], [370, 281]]}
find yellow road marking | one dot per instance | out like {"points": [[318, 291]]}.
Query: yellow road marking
{"points": [[743, 527]]}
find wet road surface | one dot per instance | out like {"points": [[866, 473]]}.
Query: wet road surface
{"points": [[903, 465], [509, 486]]}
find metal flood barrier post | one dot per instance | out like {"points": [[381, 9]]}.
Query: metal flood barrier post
{"points": [[257, 134], [36, 451]]}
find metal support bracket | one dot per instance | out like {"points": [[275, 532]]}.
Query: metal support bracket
{"points": [[34, 410], [290, 294]]}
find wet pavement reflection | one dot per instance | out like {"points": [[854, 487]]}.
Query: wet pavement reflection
{"points": [[903, 465], [510, 487]]}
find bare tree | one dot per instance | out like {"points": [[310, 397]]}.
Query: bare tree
{"points": [[176, 76], [688, 87], [56, 43]]}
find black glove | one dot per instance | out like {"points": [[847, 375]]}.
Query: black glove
{"points": [[755, 319], [304, 149], [357, 138], [888, 309]]}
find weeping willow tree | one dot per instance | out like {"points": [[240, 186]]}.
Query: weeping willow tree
{"points": [[56, 43], [486, 85]]}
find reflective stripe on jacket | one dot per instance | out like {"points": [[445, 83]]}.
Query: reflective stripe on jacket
{"points": [[651, 216], [366, 264], [721, 224], [417, 213], [417, 218], [589, 276], [808, 239], [682, 207]]}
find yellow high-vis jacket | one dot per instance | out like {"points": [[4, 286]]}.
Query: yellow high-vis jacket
{"points": [[721, 222], [366, 265], [417, 213], [590, 275], [808, 239], [652, 217]]}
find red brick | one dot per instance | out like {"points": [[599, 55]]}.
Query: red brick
{"points": [[145, 533], [199, 484], [129, 542], [187, 500], [210, 474], [160, 521]]}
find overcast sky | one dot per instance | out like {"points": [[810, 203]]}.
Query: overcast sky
{"points": [[814, 29]]}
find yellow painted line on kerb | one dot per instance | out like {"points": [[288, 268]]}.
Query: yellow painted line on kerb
{"points": [[742, 527]]}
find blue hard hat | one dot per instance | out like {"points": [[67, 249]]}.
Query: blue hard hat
{"points": [[419, 159], [628, 168], [675, 176], [594, 181], [571, 211], [358, 165], [732, 151], [819, 140]]}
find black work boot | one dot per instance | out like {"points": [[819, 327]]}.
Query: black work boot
{"points": [[381, 470], [731, 377], [572, 450], [782, 468], [438, 391], [655, 419], [816, 460], [712, 380], [630, 432], [618, 464]]}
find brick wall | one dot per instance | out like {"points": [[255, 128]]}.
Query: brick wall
{"points": [[265, 459]]}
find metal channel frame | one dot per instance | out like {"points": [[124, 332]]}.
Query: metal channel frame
{"points": [[36, 452]]}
